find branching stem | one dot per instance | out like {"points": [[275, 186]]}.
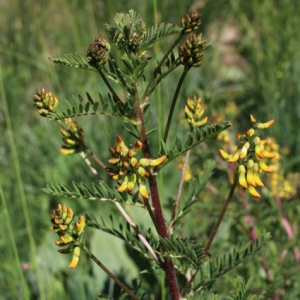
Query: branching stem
{"points": [[158, 214], [146, 93], [170, 116]]}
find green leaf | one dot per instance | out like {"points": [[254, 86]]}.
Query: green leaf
{"points": [[125, 232], [186, 251], [219, 266], [74, 60], [189, 141], [100, 191], [244, 289], [80, 106], [156, 33]]}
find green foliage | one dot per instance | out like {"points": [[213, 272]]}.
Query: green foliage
{"points": [[218, 266], [74, 60], [199, 135], [81, 107], [124, 232], [100, 191], [187, 251], [157, 33], [191, 190], [266, 35]]}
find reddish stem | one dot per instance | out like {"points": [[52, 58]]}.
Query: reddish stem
{"points": [[158, 214]]}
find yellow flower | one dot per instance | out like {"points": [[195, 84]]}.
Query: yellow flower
{"points": [[129, 170], [251, 155]]}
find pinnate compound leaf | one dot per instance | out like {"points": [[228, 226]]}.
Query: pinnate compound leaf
{"points": [[124, 232], [83, 106], [100, 191], [156, 33], [74, 60], [244, 290], [189, 141], [186, 251], [218, 266]]}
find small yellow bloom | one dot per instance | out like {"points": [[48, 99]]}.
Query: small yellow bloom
{"points": [[143, 190], [242, 176], [253, 192], [75, 259], [265, 125]]}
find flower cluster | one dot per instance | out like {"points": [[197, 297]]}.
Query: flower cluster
{"points": [[282, 185], [97, 54], [251, 155], [194, 111], [69, 231], [191, 22], [130, 170], [191, 54], [45, 102], [73, 137]]}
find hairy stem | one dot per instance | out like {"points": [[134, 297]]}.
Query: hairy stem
{"points": [[110, 274], [170, 116]]}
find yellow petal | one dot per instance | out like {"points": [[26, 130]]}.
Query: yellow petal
{"points": [[250, 132], [256, 175], [265, 125], [259, 151], [250, 174], [66, 151], [250, 177], [268, 154], [143, 191], [75, 258], [235, 156], [144, 162], [157, 161], [244, 150], [253, 120], [224, 154], [242, 176], [263, 166], [253, 192], [122, 187]]}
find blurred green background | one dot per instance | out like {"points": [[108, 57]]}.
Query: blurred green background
{"points": [[254, 60]]}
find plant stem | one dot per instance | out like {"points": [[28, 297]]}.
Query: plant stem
{"points": [[110, 274], [159, 218], [138, 233], [221, 216], [215, 230], [179, 85], [115, 96], [176, 204], [145, 95]]}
